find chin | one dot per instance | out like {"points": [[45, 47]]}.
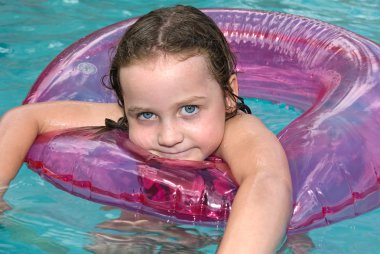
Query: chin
{"points": [[194, 157], [187, 156]]}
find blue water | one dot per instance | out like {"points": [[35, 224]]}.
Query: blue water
{"points": [[46, 220]]}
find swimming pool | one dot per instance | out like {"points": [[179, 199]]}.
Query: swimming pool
{"points": [[60, 223]]}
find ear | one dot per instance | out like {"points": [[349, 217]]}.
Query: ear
{"points": [[233, 82]]}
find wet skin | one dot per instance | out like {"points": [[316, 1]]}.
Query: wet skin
{"points": [[175, 108]]}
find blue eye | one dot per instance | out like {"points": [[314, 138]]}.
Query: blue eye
{"points": [[189, 110], [146, 115]]}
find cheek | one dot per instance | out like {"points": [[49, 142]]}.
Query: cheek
{"points": [[211, 133], [140, 136]]}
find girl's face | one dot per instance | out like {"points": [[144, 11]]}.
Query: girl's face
{"points": [[175, 108]]}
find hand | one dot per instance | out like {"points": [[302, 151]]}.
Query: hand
{"points": [[145, 234], [4, 206], [298, 244]]}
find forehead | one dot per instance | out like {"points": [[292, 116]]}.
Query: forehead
{"points": [[159, 57], [165, 76], [180, 67]]}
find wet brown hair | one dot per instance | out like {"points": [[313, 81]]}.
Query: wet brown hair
{"points": [[181, 30]]}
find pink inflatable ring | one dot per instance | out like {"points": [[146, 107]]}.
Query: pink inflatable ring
{"points": [[330, 73]]}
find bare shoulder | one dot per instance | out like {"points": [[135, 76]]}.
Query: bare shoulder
{"points": [[249, 146], [251, 125], [245, 129]]}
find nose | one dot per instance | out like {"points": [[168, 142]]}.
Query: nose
{"points": [[169, 135]]}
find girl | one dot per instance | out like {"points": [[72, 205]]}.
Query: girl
{"points": [[175, 79]]}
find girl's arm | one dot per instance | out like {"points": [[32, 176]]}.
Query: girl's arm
{"points": [[20, 126], [263, 205]]}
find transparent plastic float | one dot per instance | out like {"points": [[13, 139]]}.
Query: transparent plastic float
{"points": [[333, 147]]}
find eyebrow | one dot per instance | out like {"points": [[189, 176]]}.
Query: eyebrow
{"points": [[135, 110], [190, 100]]}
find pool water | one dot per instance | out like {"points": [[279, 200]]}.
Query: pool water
{"points": [[47, 220]]}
